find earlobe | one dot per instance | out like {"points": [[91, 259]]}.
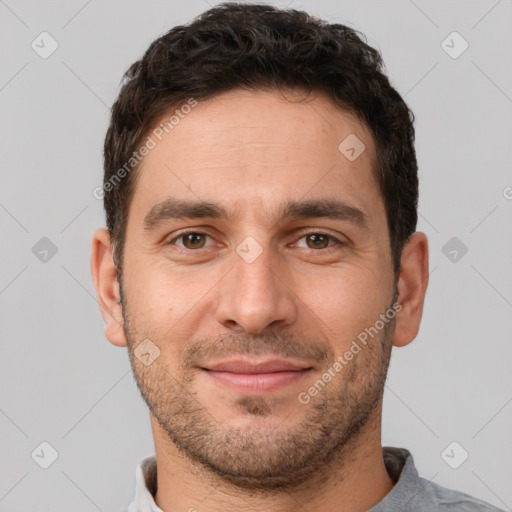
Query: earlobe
{"points": [[104, 274], [412, 286]]}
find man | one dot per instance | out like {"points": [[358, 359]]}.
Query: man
{"points": [[260, 262]]}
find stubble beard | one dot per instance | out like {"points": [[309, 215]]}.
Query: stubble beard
{"points": [[262, 456]]}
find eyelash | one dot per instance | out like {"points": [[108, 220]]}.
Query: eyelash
{"points": [[195, 232]]}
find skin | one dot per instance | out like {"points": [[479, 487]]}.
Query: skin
{"points": [[197, 299]]}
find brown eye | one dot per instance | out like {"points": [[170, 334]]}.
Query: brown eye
{"points": [[317, 241], [191, 240]]}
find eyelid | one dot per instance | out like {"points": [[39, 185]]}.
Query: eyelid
{"points": [[185, 232], [322, 232], [299, 236]]}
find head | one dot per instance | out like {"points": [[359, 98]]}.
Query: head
{"points": [[261, 196]]}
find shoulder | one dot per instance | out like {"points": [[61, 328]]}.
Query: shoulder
{"points": [[450, 499], [412, 493]]}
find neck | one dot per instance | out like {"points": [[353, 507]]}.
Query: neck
{"points": [[353, 482]]}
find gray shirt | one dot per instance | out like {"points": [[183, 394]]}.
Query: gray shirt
{"points": [[411, 493]]}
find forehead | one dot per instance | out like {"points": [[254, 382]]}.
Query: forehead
{"points": [[242, 146]]}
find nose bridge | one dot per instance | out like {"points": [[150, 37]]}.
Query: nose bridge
{"points": [[255, 275], [256, 296]]}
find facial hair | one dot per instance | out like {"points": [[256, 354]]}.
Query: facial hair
{"points": [[255, 456]]}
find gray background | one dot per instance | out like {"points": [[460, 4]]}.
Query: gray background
{"points": [[62, 382]]}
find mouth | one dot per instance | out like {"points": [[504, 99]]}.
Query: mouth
{"points": [[256, 377]]}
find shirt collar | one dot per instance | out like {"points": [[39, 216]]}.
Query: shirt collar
{"points": [[399, 464], [145, 487]]}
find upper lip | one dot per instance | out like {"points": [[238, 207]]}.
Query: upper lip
{"points": [[251, 366]]}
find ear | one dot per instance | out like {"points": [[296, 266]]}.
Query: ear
{"points": [[104, 274], [412, 286]]}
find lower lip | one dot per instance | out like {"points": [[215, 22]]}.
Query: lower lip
{"points": [[256, 382]]}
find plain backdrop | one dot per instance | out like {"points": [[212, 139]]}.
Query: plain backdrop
{"points": [[63, 384]]}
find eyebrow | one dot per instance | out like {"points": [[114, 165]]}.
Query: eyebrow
{"points": [[172, 208]]}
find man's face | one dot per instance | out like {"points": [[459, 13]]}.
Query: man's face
{"points": [[256, 286]]}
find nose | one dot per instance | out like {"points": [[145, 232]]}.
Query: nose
{"points": [[256, 295]]}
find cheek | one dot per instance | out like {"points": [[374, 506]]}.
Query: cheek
{"points": [[152, 304], [348, 301], [165, 302]]}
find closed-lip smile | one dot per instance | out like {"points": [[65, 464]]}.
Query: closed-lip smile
{"points": [[256, 376]]}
